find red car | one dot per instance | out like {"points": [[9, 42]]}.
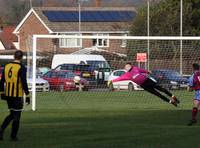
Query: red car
{"points": [[1, 70], [63, 80]]}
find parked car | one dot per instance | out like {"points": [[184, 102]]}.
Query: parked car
{"points": [[1, 70], [41, 84], [169, 79], [63, 80], [81, 70], [126, 85], [97, 64], [42, 70]]}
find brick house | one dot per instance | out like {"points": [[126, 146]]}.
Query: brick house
{"points": [[8, 40], [99, 21]]}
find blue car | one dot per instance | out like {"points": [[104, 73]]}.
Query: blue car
{"points": [[169, 79]]}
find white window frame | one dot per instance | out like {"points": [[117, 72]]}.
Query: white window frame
{"points": [[101, 40], [74, 42], [124, 42]]}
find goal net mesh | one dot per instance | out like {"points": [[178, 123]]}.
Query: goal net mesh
{"points": [[99, 59]]}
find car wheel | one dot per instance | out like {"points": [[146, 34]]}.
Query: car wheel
{"points": [[130, 87], [111, 87]]}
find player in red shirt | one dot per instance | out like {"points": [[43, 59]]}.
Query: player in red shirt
{"points": [[194, 84]]}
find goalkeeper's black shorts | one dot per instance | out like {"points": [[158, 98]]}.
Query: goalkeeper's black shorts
{"points": [[149, 84], [15, 104]]}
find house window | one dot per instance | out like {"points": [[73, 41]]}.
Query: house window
{"points": [[70, 43], [124, 41], [101, 42]]}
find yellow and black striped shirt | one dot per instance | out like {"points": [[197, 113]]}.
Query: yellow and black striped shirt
{"points": [[14, 78]]}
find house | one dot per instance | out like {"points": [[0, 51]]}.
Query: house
{"points": [[8, 40], [98, 21]]}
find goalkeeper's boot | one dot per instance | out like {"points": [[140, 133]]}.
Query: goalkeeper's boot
{"points": [[175, 99], [173, 102], [1, 135], [193, 121], [15, 139]]}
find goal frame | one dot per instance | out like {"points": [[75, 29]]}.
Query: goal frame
{"points": [[148, 38]]}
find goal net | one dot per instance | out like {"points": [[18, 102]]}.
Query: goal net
{"points": [[72, 68]]}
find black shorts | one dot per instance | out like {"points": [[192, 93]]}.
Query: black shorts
{"points": [[148, 83], [15, 104]]}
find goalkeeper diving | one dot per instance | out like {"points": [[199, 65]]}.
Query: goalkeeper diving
{"points": [[141, 77]]}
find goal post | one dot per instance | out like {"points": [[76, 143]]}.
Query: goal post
{"points": [[140, 43]]}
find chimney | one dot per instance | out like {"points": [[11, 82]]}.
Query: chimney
{"points": [[97, 3]]}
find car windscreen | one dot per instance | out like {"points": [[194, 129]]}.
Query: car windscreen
{"points": [[171, 74], [29, 73], [74, 67], [82, 68], [67, 67], [98, 64], [65, 74]]}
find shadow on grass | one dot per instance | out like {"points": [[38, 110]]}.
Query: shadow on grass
{"points": [[99, 129]]}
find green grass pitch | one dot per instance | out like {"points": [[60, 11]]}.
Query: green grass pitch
{"points": [[104, 120]]}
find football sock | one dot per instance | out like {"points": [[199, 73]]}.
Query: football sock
{"points": [[194, 113]]}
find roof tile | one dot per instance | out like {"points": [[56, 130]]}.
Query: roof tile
{"points": [[85, 26]]}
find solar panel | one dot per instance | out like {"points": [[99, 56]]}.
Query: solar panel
{"points": [[90, 16]]}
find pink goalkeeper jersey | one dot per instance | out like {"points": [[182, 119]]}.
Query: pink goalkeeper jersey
{"points": [[135, 74]]}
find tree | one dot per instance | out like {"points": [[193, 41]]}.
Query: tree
{"points": [[13, 11], [165, 18], [165, 21], [194, 10]]}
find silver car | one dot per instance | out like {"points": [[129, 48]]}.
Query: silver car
{"points": [[41, 84], [125, 85]]}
